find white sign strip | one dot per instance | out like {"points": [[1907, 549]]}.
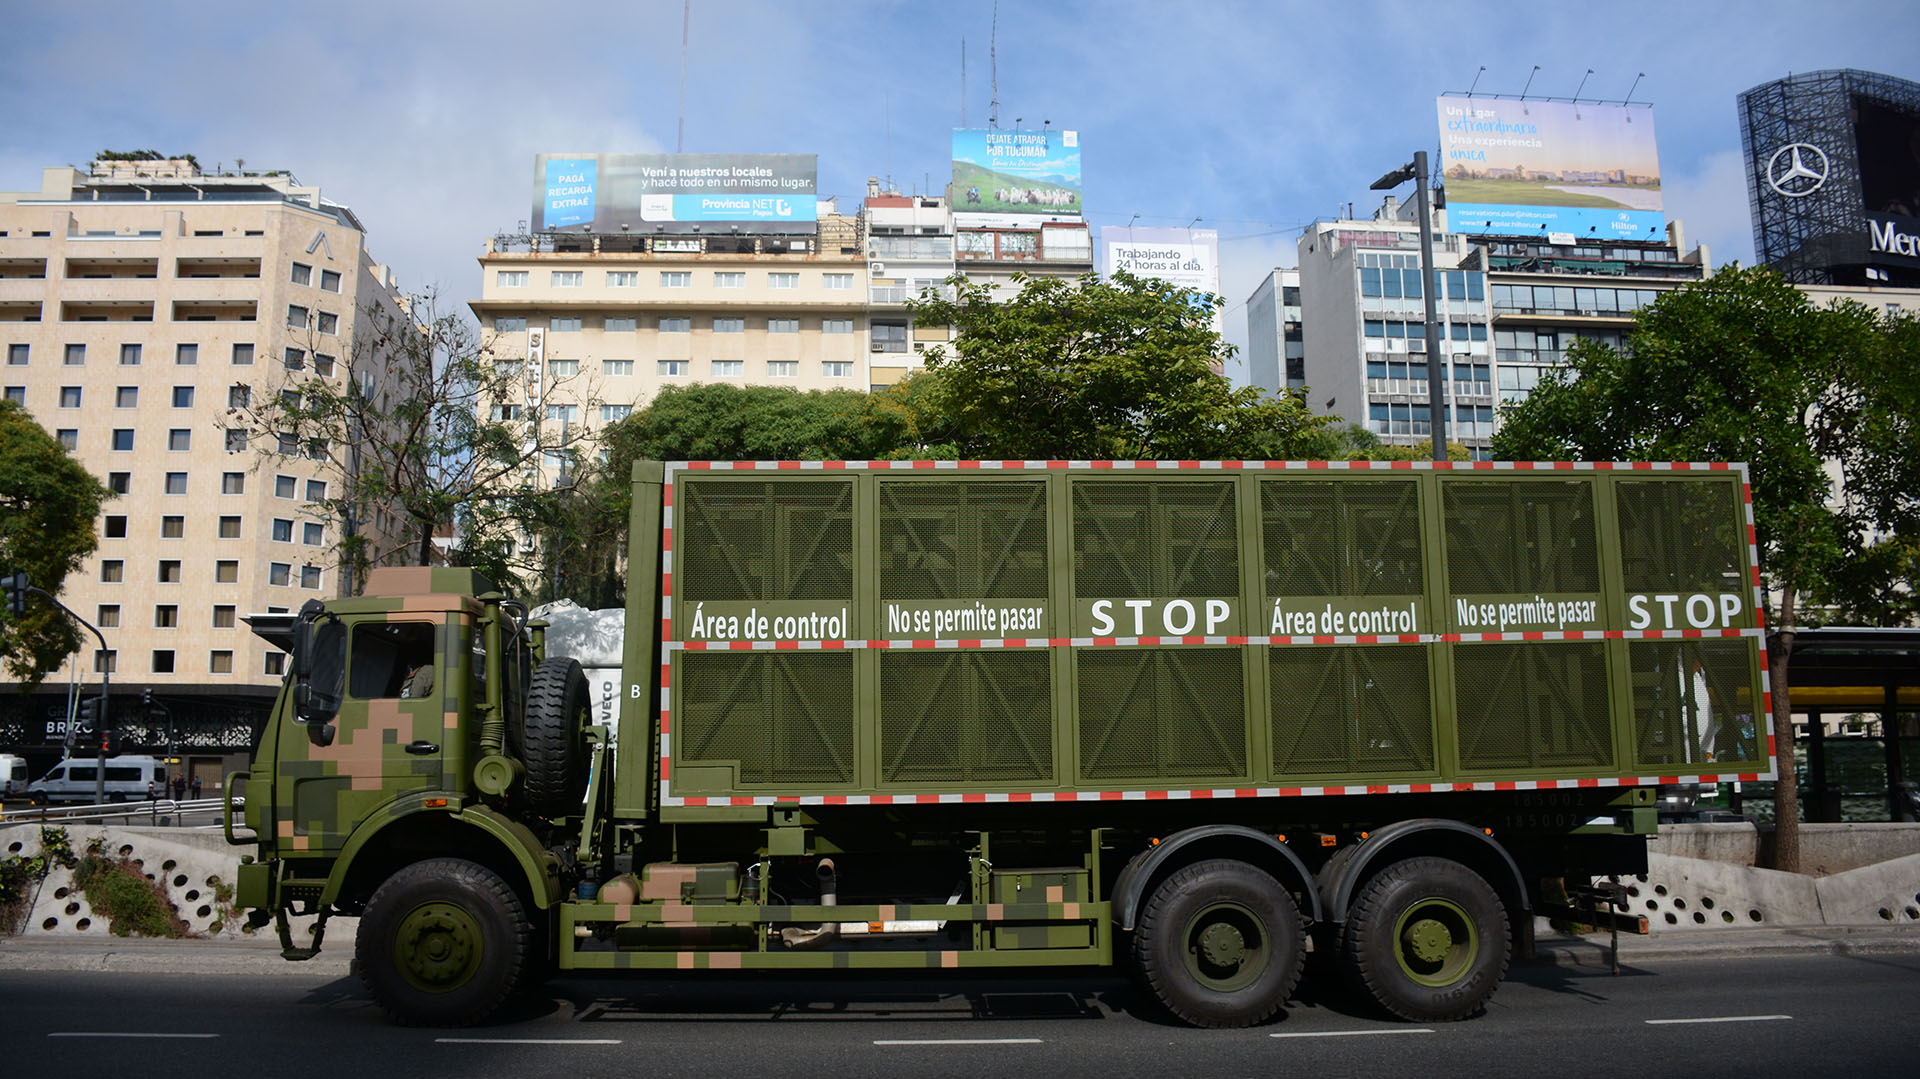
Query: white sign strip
{"points": [[957, 1041], [1349, 1033], [1718, 1019]]}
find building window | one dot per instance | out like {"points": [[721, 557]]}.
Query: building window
{"points": [[119, 482], [510, 324], [226, 571], [889, 336], [783, 368], [17, 355], [230, 527], [729, 325], [559, 324], [616, 367], [243, 354], [622, 325], [503, 413], [169, 571], [563, 368], [783, 325], [783, 280], [163, 661], [69, 438], [676, 325], [838, 282], [176, 483], [282, 530], [673, 367], [329, 281], [728, 368], [123, 439], [173, 526], [302, 274], [108, 616], [297, 316], [112, 570], [114, 527], [615, 413], [223, 616], [275, 665], [233, 483], [837, 369], [284, 486], [126, 397], [323, 365], [166, 616], [329, 322], [69, 397], [729, 279], [563, 413], [567, 278], [17, 394], [129, 355], [279, 573], [107, 661], [676, 278], [77, 354], [179, 440], [623, 278], [295, 359], [316, 490], [310, 576], [510, 278], [186, 355], [313, 533], [220, 661]]}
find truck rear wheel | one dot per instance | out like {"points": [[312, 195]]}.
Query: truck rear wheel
{"points": [[1219, 944], [443, 942], [559, 707], [1427, 940]]}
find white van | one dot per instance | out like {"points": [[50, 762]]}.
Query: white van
{"points": [[73, 780], [13, 776]]}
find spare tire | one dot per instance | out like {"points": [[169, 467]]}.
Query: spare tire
{"points": [[552, 738]]}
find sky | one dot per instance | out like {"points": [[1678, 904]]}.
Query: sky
{"points": [[1253, 118]]}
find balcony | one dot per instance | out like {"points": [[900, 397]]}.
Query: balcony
{"points": [[921, 248], [106, 310]]}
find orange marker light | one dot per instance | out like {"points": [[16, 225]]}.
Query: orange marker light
{"points": [[434, 803]]}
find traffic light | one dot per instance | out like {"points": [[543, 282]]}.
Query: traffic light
{"points": [[87, 713], [16, 585], [146, 701]]}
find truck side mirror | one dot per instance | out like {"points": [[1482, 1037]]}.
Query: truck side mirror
{"points": [[319, 670]]}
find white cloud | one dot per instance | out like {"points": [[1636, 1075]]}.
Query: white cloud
{"points": [[1710, 202]]}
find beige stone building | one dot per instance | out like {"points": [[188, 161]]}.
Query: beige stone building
{"points": [[139, 302]]}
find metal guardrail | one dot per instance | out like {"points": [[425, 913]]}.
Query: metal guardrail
{"points": [[152, 809]]}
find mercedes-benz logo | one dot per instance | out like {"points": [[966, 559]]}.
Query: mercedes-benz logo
{"points": [[1802, 172]]}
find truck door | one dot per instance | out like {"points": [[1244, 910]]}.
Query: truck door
{"points": [[389, 737]]}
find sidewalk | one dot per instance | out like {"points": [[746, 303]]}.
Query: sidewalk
{"points": [[1554, 947]]}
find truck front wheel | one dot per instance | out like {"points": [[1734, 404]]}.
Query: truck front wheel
{"points": [[443, 943], [1427, 940], [1219, 944]]}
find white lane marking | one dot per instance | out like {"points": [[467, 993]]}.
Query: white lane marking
{"points": [[1349, 1033], [124, 1034], [526, 1041], [1719, 1019], [957, 1041]]}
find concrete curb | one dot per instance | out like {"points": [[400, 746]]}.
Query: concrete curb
{"points": [[172, 957], [1558, 949]]}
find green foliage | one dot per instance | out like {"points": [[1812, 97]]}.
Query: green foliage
{"points": [[1121, 368], [47, 508], [21, 873], [132, 904]]}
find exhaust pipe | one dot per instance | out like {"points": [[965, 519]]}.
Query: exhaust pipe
{"points": [[796, 937]]}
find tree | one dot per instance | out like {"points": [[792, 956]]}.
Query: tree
{"points": [[415, 446], [1121, 368], [47, 508], [1743, 367]]}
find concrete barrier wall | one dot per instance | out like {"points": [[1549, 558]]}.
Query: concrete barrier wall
{"points": [[1825, 849]]}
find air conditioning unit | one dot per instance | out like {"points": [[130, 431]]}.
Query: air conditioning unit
{"points": [[877, 269]]}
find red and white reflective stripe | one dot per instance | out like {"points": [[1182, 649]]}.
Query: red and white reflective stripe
{"points": [[911, 644], [1205, 793], [1195, 466]]}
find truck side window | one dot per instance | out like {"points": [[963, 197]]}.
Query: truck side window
{"points": [[391, 659]]}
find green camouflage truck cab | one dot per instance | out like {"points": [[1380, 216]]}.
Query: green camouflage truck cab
{"points": [[948, 715]]}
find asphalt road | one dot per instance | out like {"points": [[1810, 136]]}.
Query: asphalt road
{"points": [[1776, 1016]]}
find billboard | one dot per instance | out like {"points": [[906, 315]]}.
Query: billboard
{"points": [[1533, 167], [1888, 140], [676, 193], [1189, 258], [1015, 179]]}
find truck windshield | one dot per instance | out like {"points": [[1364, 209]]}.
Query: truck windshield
{"points": [[391, 659]]}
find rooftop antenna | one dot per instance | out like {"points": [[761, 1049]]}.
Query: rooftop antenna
{"points": [[686, 19], [993, 67], [1476, 79]]}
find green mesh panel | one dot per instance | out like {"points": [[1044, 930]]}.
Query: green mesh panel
{"points": [[1152, 538], [1681, 536], [1521, 536], [952, 717], [784, 717], [763, 540], [1161, 714], [1535, 705], [1351, 710], [962, 540], [1351, 538], [1694, 704]]}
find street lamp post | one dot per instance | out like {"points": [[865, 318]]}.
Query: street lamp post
{"points": [[1436, 403], [18, 588]]}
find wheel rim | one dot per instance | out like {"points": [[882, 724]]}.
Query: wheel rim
{"points": [[438, 947], [1227, 947], [1435, 941]]}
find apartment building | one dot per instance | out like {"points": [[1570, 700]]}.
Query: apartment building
{"points": [[909, 242], [1276, 337], [140, 301]]}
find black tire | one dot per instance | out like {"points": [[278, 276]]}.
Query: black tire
{"points": [[1219, 944], [1426, 939], [552, 738], [443, 942]]}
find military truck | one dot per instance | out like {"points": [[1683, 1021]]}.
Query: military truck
{"points": [[1194, 719]]}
